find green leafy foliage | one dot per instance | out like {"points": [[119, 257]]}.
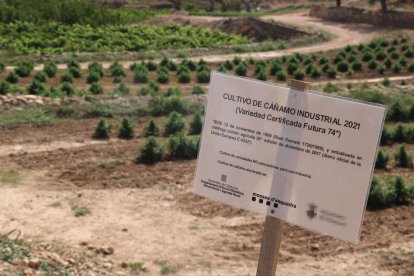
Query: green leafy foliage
{"points": [[126, 131], [174, 124], [402, 158], [50, 69], [182, 147], [53, 38], [196, 124], [24, 68], [151, 129], [150, 152], [197, 90], [382, 160], [102, 130]]}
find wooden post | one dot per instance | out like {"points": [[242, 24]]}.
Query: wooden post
{"points": [[273, 228]]}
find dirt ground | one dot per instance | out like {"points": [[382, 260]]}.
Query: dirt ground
{"points": [[148, 213]]}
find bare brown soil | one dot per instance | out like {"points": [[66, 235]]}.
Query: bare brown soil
{"points": [[148, 214]]}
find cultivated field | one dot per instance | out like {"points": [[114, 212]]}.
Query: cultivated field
{"points": [[100, 125]]}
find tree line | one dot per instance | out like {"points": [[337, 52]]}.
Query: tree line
{"points": [[384, 3], [64, 11]]}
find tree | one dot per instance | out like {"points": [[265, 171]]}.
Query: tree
{"points": [[176, 4], [102, 130], [384, 7], [126, 131]]}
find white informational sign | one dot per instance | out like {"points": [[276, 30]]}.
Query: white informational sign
{"points": [[303, 157]]}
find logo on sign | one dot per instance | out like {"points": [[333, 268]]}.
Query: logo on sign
{"points": [[311, 213]]}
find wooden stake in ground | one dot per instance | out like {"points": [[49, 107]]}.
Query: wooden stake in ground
{"points": [[273, 228]]}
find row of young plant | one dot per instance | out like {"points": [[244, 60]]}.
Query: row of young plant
{"points": [[389, 192], [53, 38], [173, 125], [402, 158], [400, 133]]}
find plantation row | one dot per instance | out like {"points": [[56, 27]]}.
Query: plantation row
{"points": [[398, 134], [174, 124], [52, 38], [180, 146], [402, 158]]}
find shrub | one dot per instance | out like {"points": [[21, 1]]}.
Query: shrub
{"points": [[380, 56], [386, 136], [151, 66], [411, 67], [96, 89], [5, 88], [400, 133], [151, 129], [396, 68], [372, 65], [397, 111], [197, 90], [338, 59], [140, 74], [196, 124], [281, 75], [299, 75], [388, 63], [386, 81], [409, 53], [228, 65], [117, 70], [24, 68], [12, 77], [66, 77], [122, 90], [40, 76], [152, 88], [395, 55], [96, 67], [75, 72], [2, 66], [203, 76], [36, 88], [274, 68], [330, 88], [184, 76], [50, 69], [241, 70], [237, 61], [402, 158], [151, 151], [163, 75], [382, 160], [68, 88], [316, 73], [351, 58], [93, 76], [102, 130], [172, 91], [261, 75], [182, 147], [118, 79], [381, 70], [357, 65], [292, 67], [377, 194], [399, 192], [126, 131], [367, 56], [73, 64], [174, 124], [323, 60], [331, 73], [342, 66], [403, 62]]}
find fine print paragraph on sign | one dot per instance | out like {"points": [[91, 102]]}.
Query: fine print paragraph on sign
{"points": [[306, 158]]}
